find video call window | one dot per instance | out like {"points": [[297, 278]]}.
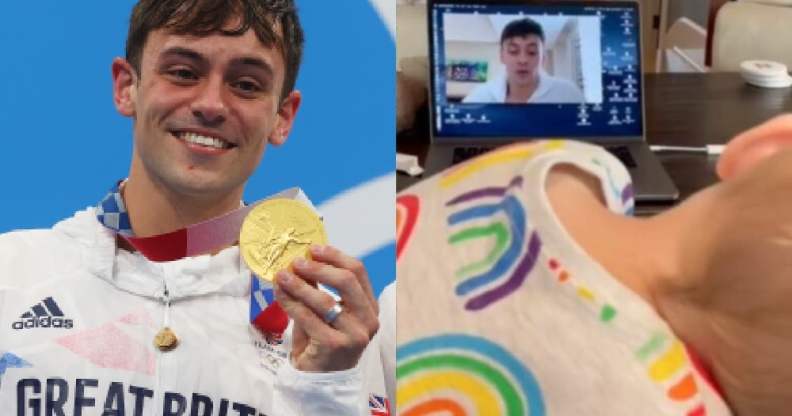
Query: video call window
{"points": [[504, 69], [520, 58]]}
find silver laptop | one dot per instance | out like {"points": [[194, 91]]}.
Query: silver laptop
{"points": [[511, 70]]}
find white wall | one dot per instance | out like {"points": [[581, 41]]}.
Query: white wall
{"points": [[562, 55], [591, 57]]}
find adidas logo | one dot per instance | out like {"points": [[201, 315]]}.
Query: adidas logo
{"points": [[45, 314]]}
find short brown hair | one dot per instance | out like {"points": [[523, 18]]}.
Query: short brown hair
{"points": [[204, 17], [521, 28]]}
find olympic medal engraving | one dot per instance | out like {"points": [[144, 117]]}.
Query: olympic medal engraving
{"points": [[276, 232]]}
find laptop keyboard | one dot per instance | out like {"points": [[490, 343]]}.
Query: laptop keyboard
{"points": [[623, 154], [462, 154]]}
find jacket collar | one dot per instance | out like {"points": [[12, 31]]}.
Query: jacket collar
{"points": [[222, 273]]}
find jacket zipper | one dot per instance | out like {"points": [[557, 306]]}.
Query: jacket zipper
{"points": [[166, 302]]}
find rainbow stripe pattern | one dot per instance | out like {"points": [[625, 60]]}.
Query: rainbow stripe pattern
{"points": [[607, 312], [668, 366], [626, 194], [506, 266], [508, 154], [459, 374], [665, 358]]}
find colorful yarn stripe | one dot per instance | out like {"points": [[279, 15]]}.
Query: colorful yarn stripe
{"points": [[514, 211], [494, 158], [465, 375], [485, 401], [498, 230], [515, 280], [627, 194], [669, 363], [408, 208], [655, 343], [606, 311], [442, 406], [670, 367], [624, 195], [516, 182], [509, 248]]}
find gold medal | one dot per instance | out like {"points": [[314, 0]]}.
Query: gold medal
{"points": [[165, 339], [276, 232]]}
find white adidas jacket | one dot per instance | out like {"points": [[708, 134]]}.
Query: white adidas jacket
{"points": [[79, 317]]}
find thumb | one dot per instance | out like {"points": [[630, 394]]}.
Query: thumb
{"points": [[753, 146]]}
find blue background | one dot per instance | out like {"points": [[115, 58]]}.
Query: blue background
{"points": [[64, 144]]}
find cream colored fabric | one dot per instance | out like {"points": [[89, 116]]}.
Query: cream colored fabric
{"points": [[748, 30], [501, 312]]}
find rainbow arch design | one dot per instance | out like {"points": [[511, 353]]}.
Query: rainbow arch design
{"points": [[407, 210], [488, 280], [464, 375]]}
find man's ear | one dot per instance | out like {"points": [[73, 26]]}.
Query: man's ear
{"points": [[755, 145], [286, 113], [124, 87]]}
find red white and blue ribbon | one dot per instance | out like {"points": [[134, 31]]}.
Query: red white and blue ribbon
{"points": [[266, 314]]}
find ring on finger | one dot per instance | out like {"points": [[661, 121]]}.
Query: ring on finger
{"points": [[332, 314]]}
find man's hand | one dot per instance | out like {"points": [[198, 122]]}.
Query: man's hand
{"points": [[733, 300], [318, 346], [717, 268], [733, 303]]}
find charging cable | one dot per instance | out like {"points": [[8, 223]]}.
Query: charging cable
{"points": [[710, 149]]}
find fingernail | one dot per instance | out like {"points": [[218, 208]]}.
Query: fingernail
{"points": [[317, 249], [283, 277], [300, 263]]}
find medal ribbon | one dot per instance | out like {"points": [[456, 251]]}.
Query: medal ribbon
{"points": [[266, 314]]}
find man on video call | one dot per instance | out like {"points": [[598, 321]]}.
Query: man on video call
{"points": [[90, 323], [522, 52]]}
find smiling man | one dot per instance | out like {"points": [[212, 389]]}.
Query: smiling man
{"points": [[522, 53], [141, 305]]}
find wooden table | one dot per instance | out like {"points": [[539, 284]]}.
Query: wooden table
{"points": [[681, 109]]}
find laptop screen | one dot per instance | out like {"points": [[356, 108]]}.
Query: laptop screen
{"points": [[508, 69]]}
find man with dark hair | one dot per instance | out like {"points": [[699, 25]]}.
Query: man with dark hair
{"points": [[522, 52], [142, 305], [521, 28], [275, 24]]}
